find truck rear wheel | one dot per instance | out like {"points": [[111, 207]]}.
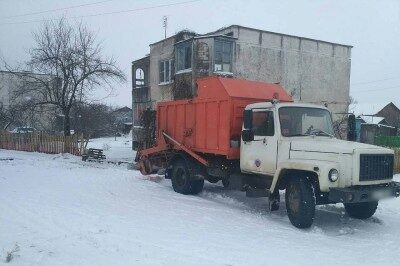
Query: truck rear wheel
{"points": [[183, 181], [361, 210], [300, 202], [212, 179]]}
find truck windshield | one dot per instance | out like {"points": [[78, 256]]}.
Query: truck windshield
{"points": [[305, 121]]}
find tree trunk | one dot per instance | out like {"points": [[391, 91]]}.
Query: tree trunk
{"points": [[67, 125]]}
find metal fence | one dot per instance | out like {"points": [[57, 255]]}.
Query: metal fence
{"points": [[396, 160], [392, 142], [42, 142], [388, 141]]}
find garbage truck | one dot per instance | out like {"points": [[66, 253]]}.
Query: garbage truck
{"points": [[254, 138]]}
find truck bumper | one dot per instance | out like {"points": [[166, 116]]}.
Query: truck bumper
{"points": [[364, 193]]}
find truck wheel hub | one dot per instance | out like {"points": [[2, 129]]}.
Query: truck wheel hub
{"points": [[294, 200], [180, 177]]}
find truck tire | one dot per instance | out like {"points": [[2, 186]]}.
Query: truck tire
{"points": [[300, 202], [361, 210], [197, 186], [212, 179], [182, 180]]}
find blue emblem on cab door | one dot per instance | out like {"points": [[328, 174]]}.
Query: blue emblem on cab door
{"points": [[257, 162]]}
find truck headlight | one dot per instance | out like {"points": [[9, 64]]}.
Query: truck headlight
{"points": [[333, 175]]}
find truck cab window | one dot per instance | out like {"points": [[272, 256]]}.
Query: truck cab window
{"points": [[263, 123], [304, 121]]}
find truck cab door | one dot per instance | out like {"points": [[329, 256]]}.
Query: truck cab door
{"points": [[260, 154]]}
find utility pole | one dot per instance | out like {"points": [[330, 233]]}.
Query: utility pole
{"points": [[165, 23]]}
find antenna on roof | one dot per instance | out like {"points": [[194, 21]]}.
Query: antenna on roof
{"points": [[165, 23]]}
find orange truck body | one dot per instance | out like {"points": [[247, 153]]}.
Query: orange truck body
{"points": [[211, 123]]}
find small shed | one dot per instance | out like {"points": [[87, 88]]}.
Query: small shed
{"points": [[369, 127]]}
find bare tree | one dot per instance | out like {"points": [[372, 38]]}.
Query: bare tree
{"points": [[340, 126], [71, 57], [19, 109], [13, 114], [95, 119], [7, 117]]}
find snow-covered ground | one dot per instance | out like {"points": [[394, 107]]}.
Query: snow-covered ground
{"points": [[117, 149], [58, 210]]}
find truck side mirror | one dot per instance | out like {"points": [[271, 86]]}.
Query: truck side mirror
{"points": [[247, 135], [351, 125], [247, 117]]}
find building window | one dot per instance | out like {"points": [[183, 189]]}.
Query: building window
{"points": [[141, 101], [223, 56], [166, 69], [139, 77], [184, 56]]}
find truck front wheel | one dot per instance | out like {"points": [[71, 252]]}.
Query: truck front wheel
{"points": [[183, 181], [361, 210], [300, 202]]}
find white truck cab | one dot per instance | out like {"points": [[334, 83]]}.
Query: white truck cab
{"points": [[293, 145]]}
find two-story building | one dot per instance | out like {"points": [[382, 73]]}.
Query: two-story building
{"points": [[17, 112], [312, 71]]}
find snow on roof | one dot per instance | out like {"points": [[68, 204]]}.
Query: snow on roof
{"points": [[375, 120], [123, 109]]}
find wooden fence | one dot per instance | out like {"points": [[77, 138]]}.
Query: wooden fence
{"points": [[42, 142]]}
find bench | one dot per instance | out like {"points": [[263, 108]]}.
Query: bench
{"points": [[94, 155]]}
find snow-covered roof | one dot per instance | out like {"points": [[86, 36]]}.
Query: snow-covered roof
{"points": [[123, 110], [368, 119]]}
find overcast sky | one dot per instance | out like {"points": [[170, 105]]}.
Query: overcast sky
{"points": [[372, 27]]}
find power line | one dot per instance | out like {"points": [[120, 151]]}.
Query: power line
{"points": [[378, 89], [57, 9], [372, 81], [105, 13]]}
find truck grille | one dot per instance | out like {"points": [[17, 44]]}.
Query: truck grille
{"points": [[376, 167]]}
